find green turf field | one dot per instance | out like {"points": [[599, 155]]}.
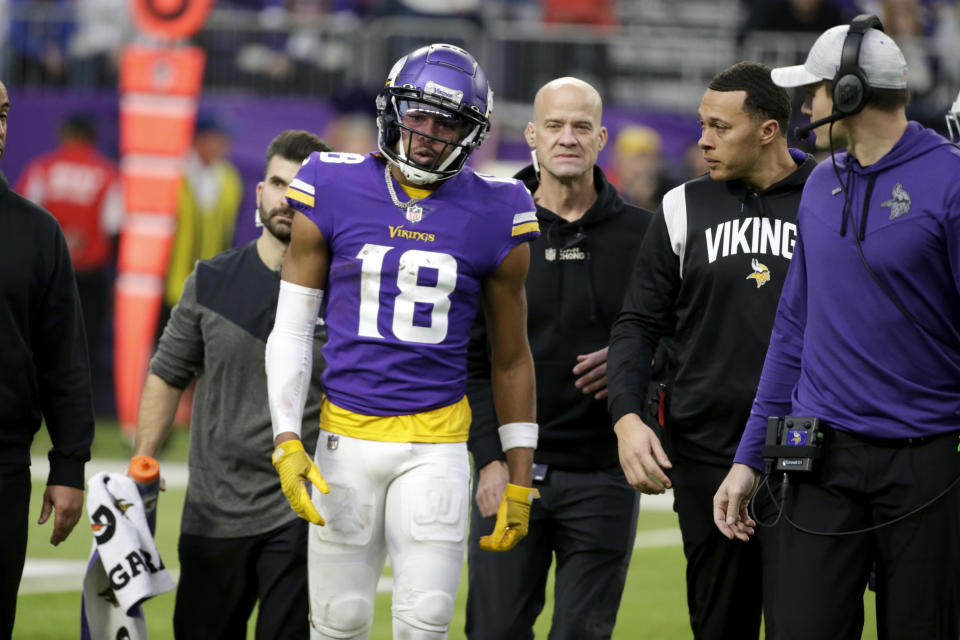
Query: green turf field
{"points": [[653, 606]]}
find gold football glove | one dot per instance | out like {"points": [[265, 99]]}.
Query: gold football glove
{"points": [[295, 467], [513, 519]]}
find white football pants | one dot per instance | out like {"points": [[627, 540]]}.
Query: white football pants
{"points": [[407, 499]]}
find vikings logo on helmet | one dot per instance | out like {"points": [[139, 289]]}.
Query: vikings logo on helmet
{"points": [[761, 274], [443, 82]]}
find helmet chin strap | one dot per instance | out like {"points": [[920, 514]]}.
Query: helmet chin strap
{"points": [[416, 176]]}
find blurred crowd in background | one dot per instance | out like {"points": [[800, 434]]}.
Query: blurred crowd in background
{"points": [[650, 60], [638, 52]]}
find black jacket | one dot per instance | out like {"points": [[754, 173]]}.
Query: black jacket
{"points": [[44, 369], [575, 286], [711, 270]]}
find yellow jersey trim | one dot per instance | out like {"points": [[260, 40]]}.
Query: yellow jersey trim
{"points": [[300, 196], [521, 229], [446, 424]]}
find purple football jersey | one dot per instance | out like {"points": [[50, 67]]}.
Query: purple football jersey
{"points": [[405, 285]]}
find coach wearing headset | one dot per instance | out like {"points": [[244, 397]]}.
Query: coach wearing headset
{"points": [[867, 339]]}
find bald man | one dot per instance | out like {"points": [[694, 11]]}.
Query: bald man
{"points": [[44, 374], [578, 274]]}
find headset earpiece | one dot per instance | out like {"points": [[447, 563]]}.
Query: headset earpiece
{"points": [[850, 87]]}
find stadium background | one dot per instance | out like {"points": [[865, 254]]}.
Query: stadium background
{"points": [[274, 64], [277, 64]]}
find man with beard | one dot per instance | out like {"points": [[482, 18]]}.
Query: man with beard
{"points": [[239, 542]]}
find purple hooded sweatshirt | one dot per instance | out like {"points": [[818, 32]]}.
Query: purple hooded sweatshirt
{"points": [[840, 349]]}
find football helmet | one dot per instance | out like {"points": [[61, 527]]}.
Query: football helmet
{"points": [[444, 84], [953, 121]]}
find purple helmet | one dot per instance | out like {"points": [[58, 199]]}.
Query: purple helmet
{"points": [[446, 83]]}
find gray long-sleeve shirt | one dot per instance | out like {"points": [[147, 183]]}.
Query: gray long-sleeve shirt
{"points": [[217, 334]]}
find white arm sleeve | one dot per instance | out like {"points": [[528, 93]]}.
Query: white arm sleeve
{"points": [[289, 355]]}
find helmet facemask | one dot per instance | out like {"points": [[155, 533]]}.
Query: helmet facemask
{"points": [[432, 143]]}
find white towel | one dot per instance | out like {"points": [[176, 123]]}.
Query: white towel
{"points": [[125, 568]]}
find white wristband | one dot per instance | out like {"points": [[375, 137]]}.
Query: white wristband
{"points": [[519, 434]]}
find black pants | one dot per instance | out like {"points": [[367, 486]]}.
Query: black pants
{"points": [[15, 507], [724, 577], [822, 578], [222, 578], [589, 520]]}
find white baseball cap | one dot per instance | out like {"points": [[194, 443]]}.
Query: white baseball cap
{"points": [[880, 59]]}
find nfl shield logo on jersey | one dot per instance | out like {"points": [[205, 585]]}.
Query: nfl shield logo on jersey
{"points": [[415, 213]]}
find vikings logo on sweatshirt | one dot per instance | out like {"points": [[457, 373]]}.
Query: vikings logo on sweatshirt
{"points": [[760, 275], [900, 202]]}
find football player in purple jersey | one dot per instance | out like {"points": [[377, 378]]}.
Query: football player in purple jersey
{"points": [[405, 244]]}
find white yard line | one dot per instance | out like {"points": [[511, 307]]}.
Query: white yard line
{"points": [[662, 502], [658, 538], [175, 473], [49, 576], [46, 575]]}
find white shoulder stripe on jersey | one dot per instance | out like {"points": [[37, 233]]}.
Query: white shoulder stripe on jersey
{"points": [[492, 178], [675, 217], [526, 216], [303, 186]]}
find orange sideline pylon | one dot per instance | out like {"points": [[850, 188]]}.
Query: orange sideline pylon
{"points": [[172, 19], [158, 106]]}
